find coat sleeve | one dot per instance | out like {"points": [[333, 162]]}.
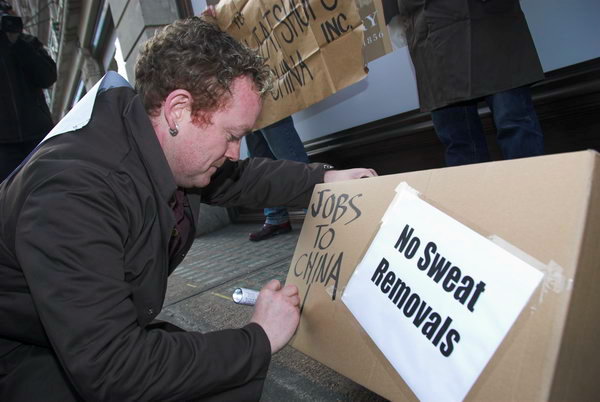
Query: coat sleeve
{"points": [[35, 61], [262, 182], [70, 245]]}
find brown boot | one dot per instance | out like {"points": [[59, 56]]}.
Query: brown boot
{"points": [[269, 230]]}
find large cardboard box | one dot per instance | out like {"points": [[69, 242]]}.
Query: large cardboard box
{"points": [[545, 210]]}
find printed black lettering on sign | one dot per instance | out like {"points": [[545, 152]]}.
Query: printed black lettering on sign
{"points": [[440, 269], [415, 308], [406, 243], [450, 276], [463, 288]]}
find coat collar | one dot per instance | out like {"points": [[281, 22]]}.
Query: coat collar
{"points": [[80, 115], [140, 128]]}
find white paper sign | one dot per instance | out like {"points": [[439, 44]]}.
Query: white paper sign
{"points": [[436, 297]]}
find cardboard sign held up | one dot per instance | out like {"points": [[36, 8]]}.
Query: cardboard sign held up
{"points": [[313, 47]]}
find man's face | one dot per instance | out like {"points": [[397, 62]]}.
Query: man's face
{"points": [[199, 149]]}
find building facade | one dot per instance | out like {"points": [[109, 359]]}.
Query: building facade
{"points": [[376, 123], [87, 38]]}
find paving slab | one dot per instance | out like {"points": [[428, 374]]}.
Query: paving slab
{"points": [[225, 255], [199, 299]]}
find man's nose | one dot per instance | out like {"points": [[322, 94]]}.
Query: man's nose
{"points": [[233, 151]]}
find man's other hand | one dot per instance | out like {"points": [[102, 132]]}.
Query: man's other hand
{"points": [[209, 12], [277, 312], [348, 174]]}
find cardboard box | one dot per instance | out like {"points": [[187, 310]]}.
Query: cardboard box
{"points": [[545, 208]]}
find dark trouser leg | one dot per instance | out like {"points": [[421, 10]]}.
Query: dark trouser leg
{"points": [[284, 141], [280, 140], [246, 392], [518, 129], [459, 128], [258, 147], [31, 373]]}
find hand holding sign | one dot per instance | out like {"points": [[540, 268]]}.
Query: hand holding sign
{"points": [[348, 174], [209, 12]]}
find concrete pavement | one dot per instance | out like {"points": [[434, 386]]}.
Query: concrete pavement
{"points": [[199, 299]]}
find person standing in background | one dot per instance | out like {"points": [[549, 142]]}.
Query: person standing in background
{"points": [[466, 51], [279, 140], [25, 70]]}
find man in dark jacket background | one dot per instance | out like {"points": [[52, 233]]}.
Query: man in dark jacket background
{"points": [[467, 51], [25, 69]]}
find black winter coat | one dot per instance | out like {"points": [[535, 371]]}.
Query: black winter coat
{"points": [[25, 69], [85, 226], [467, 49]]}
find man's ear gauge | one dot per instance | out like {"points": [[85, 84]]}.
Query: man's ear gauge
{"points": [[174, 131]]}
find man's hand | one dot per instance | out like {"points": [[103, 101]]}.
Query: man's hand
{"points": [[210, 12], [277, 312], [348, 174]]}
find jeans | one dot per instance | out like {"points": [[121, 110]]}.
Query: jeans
{"points": [[278, 141], [11, 155], [518, 130]]}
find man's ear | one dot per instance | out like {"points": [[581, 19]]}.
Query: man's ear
{"points": [[177, 104]]}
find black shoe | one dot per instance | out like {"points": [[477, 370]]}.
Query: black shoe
{"points": [[269, 230]]}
